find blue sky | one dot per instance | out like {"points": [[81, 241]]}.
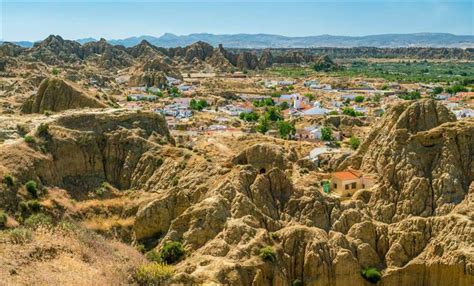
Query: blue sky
{"points": [[35, 20]]}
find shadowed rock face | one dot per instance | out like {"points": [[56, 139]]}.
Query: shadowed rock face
{"points": [[57, 95]]}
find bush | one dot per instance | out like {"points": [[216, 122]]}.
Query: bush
{"points": [[33, 205], [354, 142], [42, 130], [249, 116], [141, 248], [32, 188], [55, 71], [285, 129], [153, 273], [359, 98], [172, 252], [3, 219], [19, 235], [371, 274], [29, 139], [36, 220], [8, 180], [326, 134], [153, 256], [297, 282], [268, 254]]}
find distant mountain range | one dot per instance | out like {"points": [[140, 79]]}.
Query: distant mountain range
{"points": [[275, 41]]}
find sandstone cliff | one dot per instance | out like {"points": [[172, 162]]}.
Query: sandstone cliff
{"points": [[57, 95]]}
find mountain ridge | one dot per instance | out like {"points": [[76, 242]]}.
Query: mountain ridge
{"points": [[261, 40]]}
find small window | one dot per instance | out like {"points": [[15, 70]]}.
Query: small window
{"points": [[363, 186], [346, 187], [335, 186], [353, 185]]}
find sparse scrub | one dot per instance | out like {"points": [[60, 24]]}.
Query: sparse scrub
{"points": [[153, 256], [29, 139], [3, 219], [297, 282], [32, 188], [42, 130], [371, 274], [267, 253], [40, 219], [19, 235], [172, 252], [33, 205], [8, 180], [153, 273]]}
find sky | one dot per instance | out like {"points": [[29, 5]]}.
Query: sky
{"points": [[35, 20]]}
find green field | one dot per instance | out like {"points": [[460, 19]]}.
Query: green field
{"points": [[403, 72]]}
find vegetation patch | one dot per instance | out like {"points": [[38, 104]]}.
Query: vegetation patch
{"points": [[40, 219], [267, 253], [32, 188], [172, 252], [3, 219], [8, 180], [371, 274], [153, 273]]}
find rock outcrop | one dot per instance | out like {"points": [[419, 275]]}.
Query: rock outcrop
{"points": [[316, 238], [57, 95]]}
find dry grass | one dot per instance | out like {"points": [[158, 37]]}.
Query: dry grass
{"points": [[67, 256]]}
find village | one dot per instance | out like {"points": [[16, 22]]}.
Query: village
{"points": [[334, 120]]}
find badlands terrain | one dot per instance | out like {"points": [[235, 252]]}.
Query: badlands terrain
{"points": [[101, 189]]}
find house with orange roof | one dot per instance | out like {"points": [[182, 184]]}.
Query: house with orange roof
{"points": [[346, 183]]}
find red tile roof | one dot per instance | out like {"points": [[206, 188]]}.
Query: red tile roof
{"points": [[347, 175]]}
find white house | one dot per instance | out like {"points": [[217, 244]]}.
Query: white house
{"points": [[348, 96], [315, 111]]}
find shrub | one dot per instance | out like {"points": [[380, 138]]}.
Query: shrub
{"points": [[274, 236], [267, 253], [33, 205], [40, 219], [29, 139], [172, 252], [8, 180], [326, 134], [297, 282], [19, 235], [285, 129], [55, 71], [42, 130], [32, 188], [3, 219], [141, 248], [371, 274], [354, 142], [359, 98], [153, 273], [153, 256]]}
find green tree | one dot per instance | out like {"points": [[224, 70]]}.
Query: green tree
{"points": [[172, 252], [263, 125], [326, 134], [273, 113], [249, 116], [284, 105], [437, 90], [359, 98], [354, 142], [310, 96], [285, 128]]}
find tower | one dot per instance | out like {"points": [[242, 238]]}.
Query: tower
{"points": [[296, 101]]}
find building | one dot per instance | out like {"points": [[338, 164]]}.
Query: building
{"points": [[140, 97], [346, 183], [315, 111]]}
